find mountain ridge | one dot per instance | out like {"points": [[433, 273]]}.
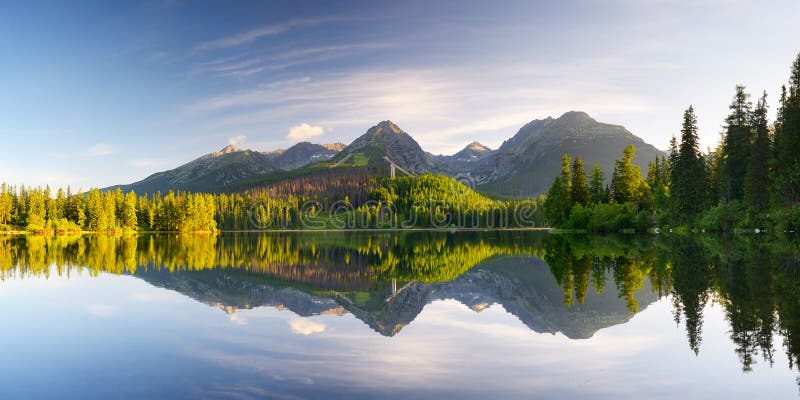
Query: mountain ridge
{"points": [[523, 165]]}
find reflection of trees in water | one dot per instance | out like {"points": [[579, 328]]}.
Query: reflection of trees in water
{"points": [[691, 274], [755, 279]]}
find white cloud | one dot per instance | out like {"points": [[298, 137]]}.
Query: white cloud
{"points": [[305, 131], [237, 140], [101, 149], [303, 326]]}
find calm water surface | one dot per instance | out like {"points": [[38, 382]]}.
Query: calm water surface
{"points": [[407, 315]]}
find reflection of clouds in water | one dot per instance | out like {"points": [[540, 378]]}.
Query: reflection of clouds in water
{"points": [[304, 326], [237, 318], [444, 338], [101, 310]]}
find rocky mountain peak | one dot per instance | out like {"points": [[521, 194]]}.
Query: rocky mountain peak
{"points": [[227, 150], [334, 146], [475, 146], [386, 126]]}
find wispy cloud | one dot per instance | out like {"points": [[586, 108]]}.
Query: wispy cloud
{"points": [[101, 149], [258, 33], [304, 132], [254, 63], [442, 107]]}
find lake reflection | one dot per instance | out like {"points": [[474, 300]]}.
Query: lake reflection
{"points": [[399, 315]]}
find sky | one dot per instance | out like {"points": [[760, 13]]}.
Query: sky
{"points": [[103, 93]]}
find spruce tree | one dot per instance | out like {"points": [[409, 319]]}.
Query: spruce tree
{"points": [[554, 203], [757, 177], [580, 189], [566, 181], [736, 145], [689, 179], [129, 219], [627, 178], [787, 140], [597, 188]]}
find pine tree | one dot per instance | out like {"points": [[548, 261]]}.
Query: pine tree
{"points": [[129, 219], [579, 193], [757, 177], [689, 178], [658, 181], [6, 204], [37, 211], [787, 140], [554, 205], [627, 178], [736, 145], [597, 189], [566, 181]]}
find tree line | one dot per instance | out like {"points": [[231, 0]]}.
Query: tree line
{"points": [[750, 180], [38, 209], [363, 201]]}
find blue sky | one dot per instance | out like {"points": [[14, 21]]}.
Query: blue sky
{"points": [[100, 93]]}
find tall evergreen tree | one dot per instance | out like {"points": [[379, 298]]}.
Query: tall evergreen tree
{"points": [[689, 179], [757, 177], [6, 204], [566, 181], [129, 219], [37, 211], [736, 145], [554, 203], [627, 178], [597, 189], [558, 203], [580, 188], [787, 140]]}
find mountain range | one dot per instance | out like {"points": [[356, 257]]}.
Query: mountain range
{"points": [[525, 164], [523, 286]]}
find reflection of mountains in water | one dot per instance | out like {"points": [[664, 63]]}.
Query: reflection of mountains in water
{"points": [[524, 286]]}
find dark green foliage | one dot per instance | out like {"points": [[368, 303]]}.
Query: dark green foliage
{"points": [[556, 203], [597, 188], [787, 140], [736, 145], [608, 218], [689, 178], [722, 217], [579, 193], [757, 177], [658, 181], [559, 199]]}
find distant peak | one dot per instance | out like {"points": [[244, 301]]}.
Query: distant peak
{"points": [[576, 116], [476, 146], [227, 150], [388, 125]]}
